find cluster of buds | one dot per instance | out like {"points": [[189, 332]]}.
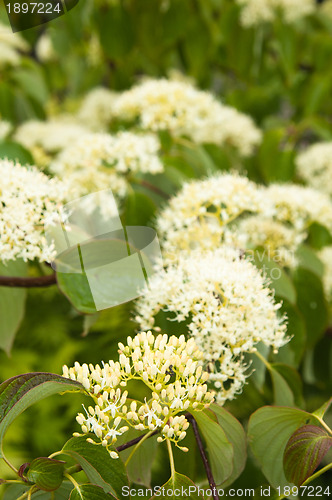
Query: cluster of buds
{"points": [[169, 367]]}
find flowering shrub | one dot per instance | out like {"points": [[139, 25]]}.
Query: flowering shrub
{"points": [[206, 124]]}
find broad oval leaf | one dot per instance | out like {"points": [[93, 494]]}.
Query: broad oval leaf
{"points": [[268, 432], [178, 486], [89, 492], [235, 435], [20, 392], [102, 470], [219, 448], [46, 473], [304, 451]]}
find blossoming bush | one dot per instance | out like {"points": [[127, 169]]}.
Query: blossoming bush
{"points": [[210, 122]]}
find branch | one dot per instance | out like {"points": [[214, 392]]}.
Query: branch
{"points": [[134, 441], [206, 464], [34, 282]]}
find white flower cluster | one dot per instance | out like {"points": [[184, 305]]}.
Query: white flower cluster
{"points": [[325, 256], [100, 161], [198, 216], [314, 165], [45, 50], [11, 47], [300, 206], [45, 138], [169, 367], [97, 109], [260, 11], [28, 199], [227, 309], [231, 209], [279, 241], [183, 110]]}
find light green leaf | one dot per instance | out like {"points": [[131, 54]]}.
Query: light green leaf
{"points": [[235, 435], [102, 470], [320, 412], [12, 304], [22, 391], [220, 449], [268, 433], [175, 486]]}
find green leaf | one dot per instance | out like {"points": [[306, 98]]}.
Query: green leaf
{"points": [[323, 409], [15, 491], [46, 473], [304, 451], [175, 486], [294, 383], [276, 157], [116, 31], [283, 395], [236, 436], [32, 82], [292, 352], [89, 492], [140, 465], [311, 303], [102, 470], [280, 281], [15, 152], [12, 304], [139, 209], [22, 391], [76, 288], [308, 260], [268, 433], [219, 448]]}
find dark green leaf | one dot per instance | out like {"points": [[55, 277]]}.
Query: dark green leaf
{"points": [[20, 392], [46, 473], [304, 451], [102, 470]]}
